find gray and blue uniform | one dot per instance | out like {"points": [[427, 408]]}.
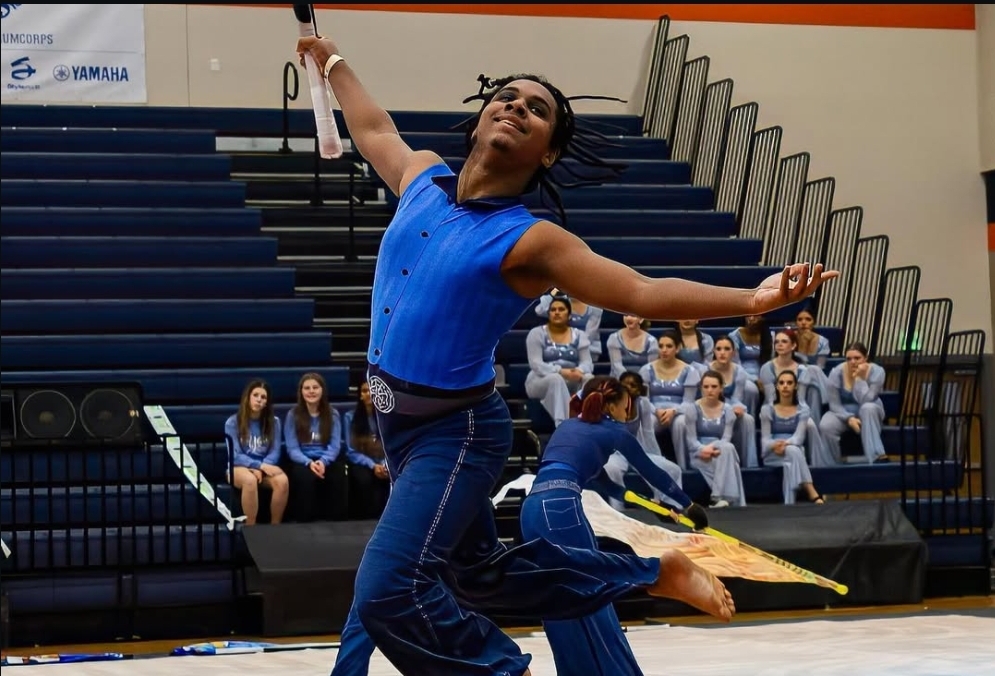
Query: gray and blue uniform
{"points": [[794, 430], [623, 359], [863, 400], [721, 473], [546, 359]]}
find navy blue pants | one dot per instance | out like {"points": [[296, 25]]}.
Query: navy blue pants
{"points": [[434, 565], [589, 646]]}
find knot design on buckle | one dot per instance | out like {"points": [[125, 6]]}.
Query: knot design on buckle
{"points": [[381, 395]]}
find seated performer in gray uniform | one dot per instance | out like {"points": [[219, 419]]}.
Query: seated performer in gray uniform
{"points": [[855, 404], [559, 361]]}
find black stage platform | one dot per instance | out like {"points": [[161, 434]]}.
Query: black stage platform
{"points": [[305, 572]]}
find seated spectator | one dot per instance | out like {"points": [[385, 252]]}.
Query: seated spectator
{"points": [[855, 405], [369, 480], [583, 317], [812, 347], [734, 392], [696, 345], [670, 383], [709, 428], [641, 425], [783, 429], [559, 361], [313, 434], [812, 381], [254, 435], [754, 346], [632, 347]]}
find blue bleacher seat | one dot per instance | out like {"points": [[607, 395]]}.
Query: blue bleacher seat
{"points": [[135, 252], [129, 221], [155, 316], [76, 140], [162, 386], [586, 223], [154, 283], [449, 144], [88, 466], [660, 251], [656, 171], [209, 350], [62, 193], [95, 506], [115, 166], [633, 196], [131, 546]]}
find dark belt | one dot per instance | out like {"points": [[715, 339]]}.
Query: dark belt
{"points": [[394, 395]]}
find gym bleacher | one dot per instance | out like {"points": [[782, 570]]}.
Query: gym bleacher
{"points": [[149, 259]]}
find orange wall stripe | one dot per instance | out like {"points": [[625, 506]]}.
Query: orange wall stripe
{"points": [[991, 237], [958, 17]]}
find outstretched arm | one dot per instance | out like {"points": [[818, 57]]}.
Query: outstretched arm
{"points": [[604, 283], [370, 127]]}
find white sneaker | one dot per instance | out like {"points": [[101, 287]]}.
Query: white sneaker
{"points": [[720, 503]]}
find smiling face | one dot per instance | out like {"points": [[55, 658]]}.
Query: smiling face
{"points": [[632, 322], [311, 391], [520, 120]]}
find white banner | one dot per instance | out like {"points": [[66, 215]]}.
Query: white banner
{"points": [[73, 53]]}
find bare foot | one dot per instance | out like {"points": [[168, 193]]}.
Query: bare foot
{"points": [[683, 580]]}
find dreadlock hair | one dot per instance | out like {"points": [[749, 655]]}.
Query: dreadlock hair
{"points": [[598, 392], [570, 140]]}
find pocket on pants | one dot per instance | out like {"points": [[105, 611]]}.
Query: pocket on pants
{"points": [[561, 513]]}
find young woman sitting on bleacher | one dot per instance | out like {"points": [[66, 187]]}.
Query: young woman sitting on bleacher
{"points": [[710, 422], [559, 361], [369, 481], [812, 381], [631, 347], [584, 317], [812, 347], [254, 435], [671, 384], [784, 424], [696, 345], [754, 346], [313, 434], [855, 404], [734, 380], [640, 425]]}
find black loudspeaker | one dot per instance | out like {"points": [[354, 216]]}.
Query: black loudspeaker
{"points": [[51, 414]]}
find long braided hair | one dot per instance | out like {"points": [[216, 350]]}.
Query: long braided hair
{"points": [[598, 393], [572, 141]]}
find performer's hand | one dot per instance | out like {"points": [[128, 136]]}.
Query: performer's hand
{"points": [[697, 515], [320, 48], [789, 286]]}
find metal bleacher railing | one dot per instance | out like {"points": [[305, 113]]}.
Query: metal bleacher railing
{"points": [[775, 200]]}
